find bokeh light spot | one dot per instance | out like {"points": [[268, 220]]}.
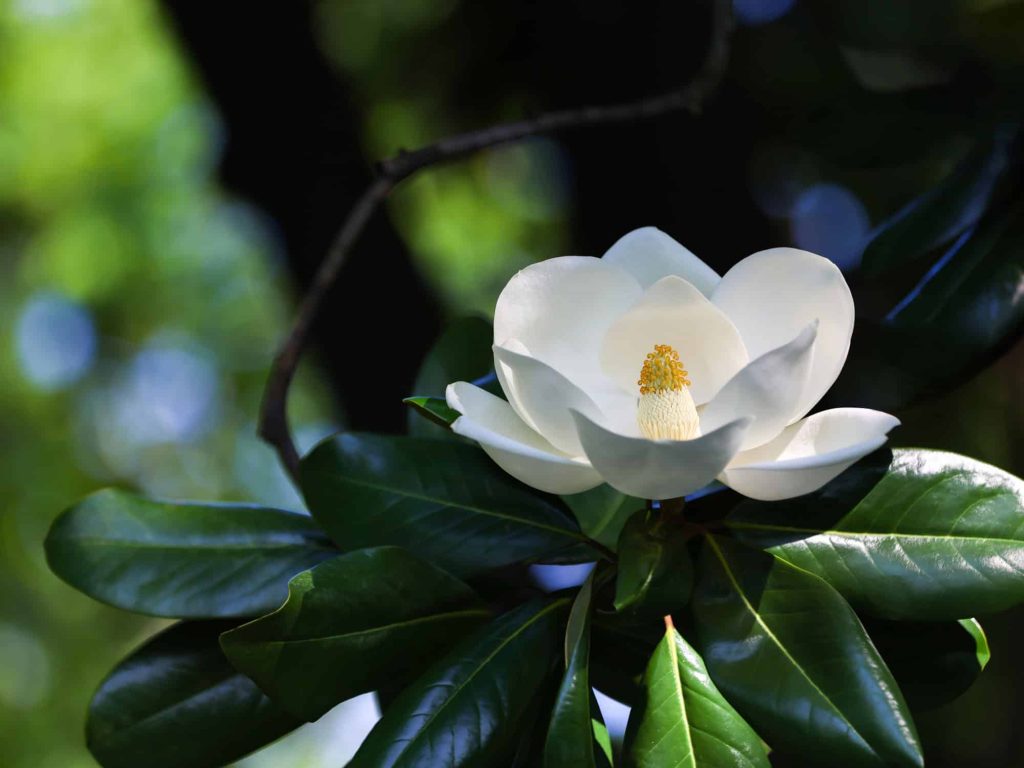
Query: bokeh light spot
{"points": [[168, 395], [830, 220], [752, 13], [55, 340]]}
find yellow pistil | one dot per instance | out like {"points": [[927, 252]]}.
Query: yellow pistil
{"points": [[666, 410]]}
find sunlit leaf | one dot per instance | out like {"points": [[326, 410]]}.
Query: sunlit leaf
{"points": [[938, 536], [792, 657], [684, 721]]}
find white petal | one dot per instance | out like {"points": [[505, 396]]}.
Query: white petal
{"points": [[513, 446], [659, 469], [674, 312], [772, 295], [561, 308], [809, 453], [544, 396], [649, 255], [768, 389]]}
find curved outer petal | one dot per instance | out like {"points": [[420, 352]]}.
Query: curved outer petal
{"points": [[513, 446], [561, 308], [771, 295], [768, 389], [674, 312], [658, 469], [545, 396], [649, 255], [808, 454]]}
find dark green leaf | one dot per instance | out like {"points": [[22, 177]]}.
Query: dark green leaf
{"points": [[444, 500], [940, 536], [176, 702], [182, 560], [461, 353], [571, 736], [791, 655], [684, 721], [619, 656], [602, 511], [532, 732], [964, 313], [369, 618], [933, 662], [655, 574], [945, 210], [469, 708], [433, 408]]}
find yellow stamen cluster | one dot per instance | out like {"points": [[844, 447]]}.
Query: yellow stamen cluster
{"points": [[662, 371]]}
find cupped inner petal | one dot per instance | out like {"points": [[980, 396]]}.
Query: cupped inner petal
{"points": [[649, 255], [513, 446], [658, 469], [544, 396], [771, 295], [808, 454], [672, 312], [768, 389], [560, 310]]}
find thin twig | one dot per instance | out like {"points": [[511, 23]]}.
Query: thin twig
{"points": [[273, 424]]}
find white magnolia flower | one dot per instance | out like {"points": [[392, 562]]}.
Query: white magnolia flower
{"points": [[591, 352]]}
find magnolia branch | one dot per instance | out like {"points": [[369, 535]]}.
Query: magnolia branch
{"points": [[273, 422]]}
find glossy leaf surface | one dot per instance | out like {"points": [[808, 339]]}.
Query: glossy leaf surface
{"points": [[444, 500], [570, 741], [655, 575], [939, 536], [792, 657], [182, 560], [602, 512], [433, 409], [370, 618], [176, 702], [469, 708], [684, 721]]}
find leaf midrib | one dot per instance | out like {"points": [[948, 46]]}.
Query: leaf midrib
{"points": [[450, 503], [677, 681], [229, 678], [476, 671], [369, 630], [785, 652], [99, 541], [872, 534]]}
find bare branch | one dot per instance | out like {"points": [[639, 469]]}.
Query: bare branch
{"points": [[273, 424]]}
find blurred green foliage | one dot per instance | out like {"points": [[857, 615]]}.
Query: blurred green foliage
{"points": [[139, 305], [471, 225]]}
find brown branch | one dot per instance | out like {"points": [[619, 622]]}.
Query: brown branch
{"points": [[273, 423]]}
